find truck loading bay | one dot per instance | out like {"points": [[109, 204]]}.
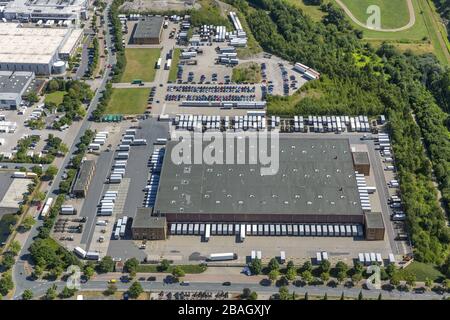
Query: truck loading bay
{"points": [[184, 248]]}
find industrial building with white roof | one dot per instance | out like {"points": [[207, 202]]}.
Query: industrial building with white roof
{"points": [[35, 49], [35, 10]]}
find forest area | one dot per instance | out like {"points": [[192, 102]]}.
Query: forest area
{"points": [[392, 83]]}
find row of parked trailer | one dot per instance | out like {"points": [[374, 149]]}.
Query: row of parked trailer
{"points": [[107, 203], [151, 188], [363, 191], [120, 228], [369, 258], [260, 122], [335, 123], [208, 229], [99, 140]]}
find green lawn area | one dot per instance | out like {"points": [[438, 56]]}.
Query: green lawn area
{"points": [[313, 11], [188, 268], [247, 72], [128, 101], [423, 271], [394, 13], [55, 97], [140, 64], [174, 67]]}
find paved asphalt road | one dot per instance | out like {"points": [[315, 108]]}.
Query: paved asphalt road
{"points": [[20, 281], [40, 287]]}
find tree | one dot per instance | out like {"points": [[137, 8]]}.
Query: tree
{"points": [[6, 283], [395, 279], [325, 266], [14, 247], [390, 269], [39, 196], [27, 294], [273, 275], [341, 276], [51, 172], [446, 284], [131, 265], [178, 272], [8, 260], [53, 85], [37, 272], [255, 266], [291, 274], [105, 265], [135, 290], [290, 265], [273, 264], [245, 293], [111, 289], [325, 276], [428, 283], [307, 266], [51, 293], [410, 279], [67, 293], [307, 276], [253, 296], [341, 267], [32, 97], [28, 222], [360, 296], [164, 265], [284, 293], [356, 277], [88, 271]]}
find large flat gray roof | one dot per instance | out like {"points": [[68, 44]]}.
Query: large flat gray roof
{"points": [[14, 83], [144, 219], [148, 27], [315, 176]]}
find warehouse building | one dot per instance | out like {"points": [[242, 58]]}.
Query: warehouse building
{"points": [[35, 10], [361, 162], [13, 85], [35, 49], [148, 30], [85, 174], [374, 226], [147, 227], [315, 183]]}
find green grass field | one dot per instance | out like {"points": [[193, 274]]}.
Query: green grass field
{"points": [[394, 13], [247, 72], [423, 271], [174, 67], [128, 101], [140, 64], [55, 97]]}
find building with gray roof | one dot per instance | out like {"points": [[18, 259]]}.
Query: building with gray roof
{"points": [[315, 183], [148, 30], [85, 174], [13, 85]]}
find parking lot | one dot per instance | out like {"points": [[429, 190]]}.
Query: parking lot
{"points": [[131, 195], [203, 79]]}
